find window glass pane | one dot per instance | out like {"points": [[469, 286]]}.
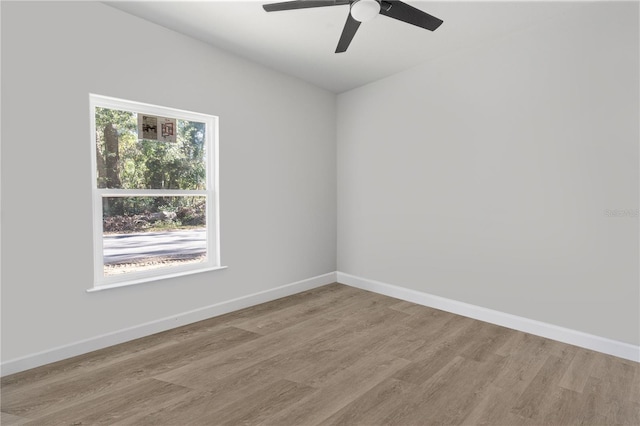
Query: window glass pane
{"points": [[125, 160], [144, 233]]}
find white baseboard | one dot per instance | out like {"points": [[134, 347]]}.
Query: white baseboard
{"points": [[538, 328], [573, 337], [163, 324]]}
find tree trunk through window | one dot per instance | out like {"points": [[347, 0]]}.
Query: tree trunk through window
{"points": [[112, 157]]}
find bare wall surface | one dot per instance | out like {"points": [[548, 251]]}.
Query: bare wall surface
{"points": [[277, 169], [505, 176]]}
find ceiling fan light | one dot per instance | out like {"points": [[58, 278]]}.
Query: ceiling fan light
{"points": [[365, 10]]}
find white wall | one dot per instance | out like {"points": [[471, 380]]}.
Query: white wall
{"points": [[277, 170], [484, 176]]}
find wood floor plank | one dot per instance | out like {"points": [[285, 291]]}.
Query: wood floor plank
{"points": [[629, 412], [563, 407], [366, 302], [203, 408], [634, 394], [428, 321], [7, 419], [331, 355], [260, 407], [437, 335], [433, 359], [373, 405], [31, 402], [616, 373], [284, 317], [596, 406], [402, 399], [192, 408], [542, 385], [489, 339], [577, 374], [495, 408], [99, 358], [412, 340], [513, 344], [284, 302], [408, 307], [340, 390], [231, 387], [453, 402], [437, 401], [78, 366], [115, 406], [86, 362], [607, 391], [525, 361], [222, 364]]}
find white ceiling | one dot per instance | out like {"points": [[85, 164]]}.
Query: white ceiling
{"points": [[302, 42]]}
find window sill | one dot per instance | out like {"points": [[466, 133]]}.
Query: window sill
{"points": [[148, 279]]}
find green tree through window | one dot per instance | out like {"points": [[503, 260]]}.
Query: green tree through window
{"points": [[148, 188]]}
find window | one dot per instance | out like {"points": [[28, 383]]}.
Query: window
{"points": [[155, 196]]}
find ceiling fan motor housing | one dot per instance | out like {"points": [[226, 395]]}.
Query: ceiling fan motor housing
{"points": [[365, 10]]}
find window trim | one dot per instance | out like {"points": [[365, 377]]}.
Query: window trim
{"points": [[100, 281]]}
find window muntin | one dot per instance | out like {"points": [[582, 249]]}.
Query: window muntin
{"points": [[154, 190]]}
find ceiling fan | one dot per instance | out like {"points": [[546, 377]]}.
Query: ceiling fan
{"points": [[362, 11]]}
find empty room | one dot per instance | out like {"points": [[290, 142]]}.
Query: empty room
{"points": [[354, 212]]}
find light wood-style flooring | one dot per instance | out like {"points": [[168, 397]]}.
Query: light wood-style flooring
{"points": [[334, 355]]}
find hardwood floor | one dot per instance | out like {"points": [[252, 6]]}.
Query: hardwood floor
{"points": [[331, 356]]}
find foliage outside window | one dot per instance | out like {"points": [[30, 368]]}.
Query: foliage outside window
{"points": [[154, 192]]}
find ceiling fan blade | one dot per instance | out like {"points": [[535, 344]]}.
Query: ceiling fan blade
{"points": [[349, 30], [409, 14], [302, 4]]}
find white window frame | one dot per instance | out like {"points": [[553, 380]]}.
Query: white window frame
{"points": [[212, 262]]}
